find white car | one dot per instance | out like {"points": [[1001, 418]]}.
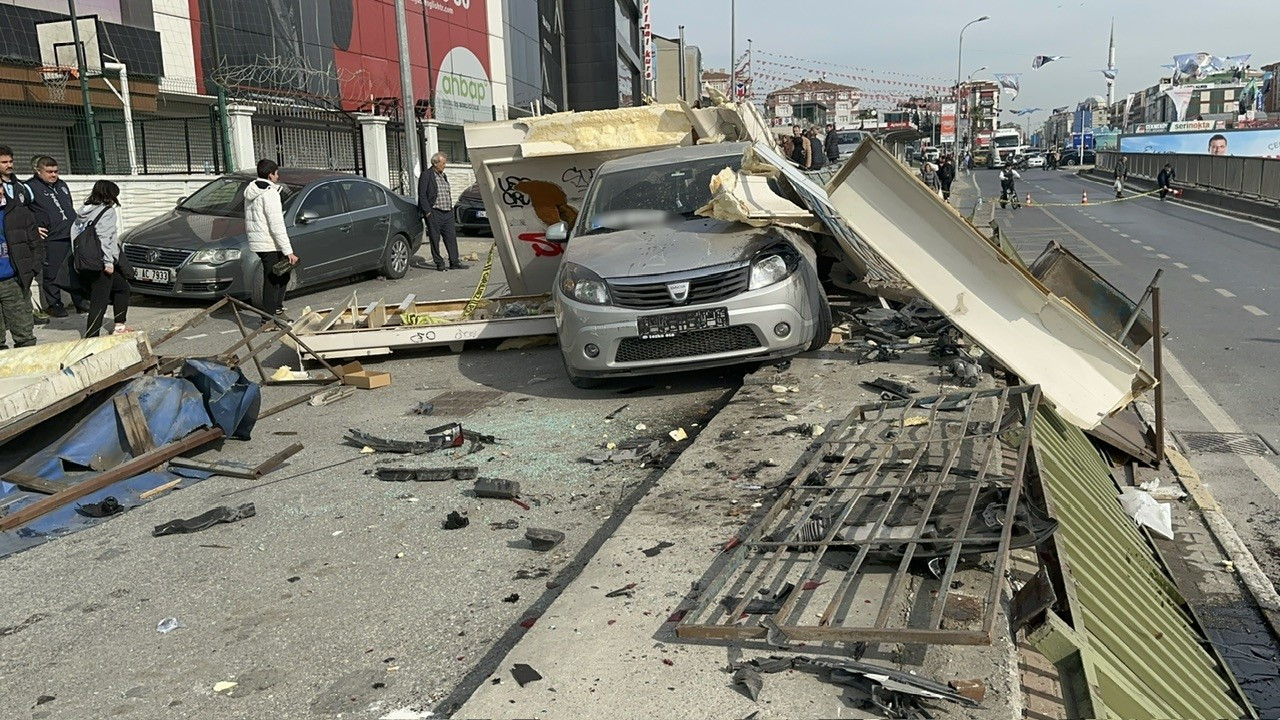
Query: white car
{"points": [[1035, 161]]}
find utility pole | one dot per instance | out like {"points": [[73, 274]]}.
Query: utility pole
{"points": [[407, 108], [733, 50], [683, 83], [95, 153], [955, 147]]}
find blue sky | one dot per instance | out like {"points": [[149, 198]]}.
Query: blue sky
{"points": [[885, 41]]}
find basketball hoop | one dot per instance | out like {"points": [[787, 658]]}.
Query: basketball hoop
{"points": [[55, 79]]}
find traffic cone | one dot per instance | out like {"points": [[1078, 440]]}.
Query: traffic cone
{"points": [[1029, 199], [1084, 197]]}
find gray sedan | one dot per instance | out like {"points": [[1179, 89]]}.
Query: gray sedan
{"points": [[340, 225]]}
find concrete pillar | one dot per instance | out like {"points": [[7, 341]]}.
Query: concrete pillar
{"points": [[240, 122], [431, 141], [373, 136]]}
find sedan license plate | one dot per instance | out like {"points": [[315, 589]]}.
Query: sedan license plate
{"points": [[653, 327], [155, 275]]}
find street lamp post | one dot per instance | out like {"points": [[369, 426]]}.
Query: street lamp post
{"points": [[955, 147]]}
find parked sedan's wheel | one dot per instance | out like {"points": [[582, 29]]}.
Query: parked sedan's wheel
{"points": [[395, 263], [822, 334]]}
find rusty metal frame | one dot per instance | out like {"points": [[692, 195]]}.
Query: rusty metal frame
{"points": [[878, 453]]}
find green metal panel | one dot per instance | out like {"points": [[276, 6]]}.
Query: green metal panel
{"points": [[1141, 652]]}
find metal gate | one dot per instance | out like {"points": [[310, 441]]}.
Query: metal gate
{"points": [[323, 140]]}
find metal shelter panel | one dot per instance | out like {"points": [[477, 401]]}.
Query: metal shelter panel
{"points": [[1123, 639], [864, 543]]}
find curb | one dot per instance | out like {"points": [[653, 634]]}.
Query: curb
{"points": [[1090, 176], [1247, 569]]}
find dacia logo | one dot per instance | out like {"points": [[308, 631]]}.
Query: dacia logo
{"points": [[679, 292]]}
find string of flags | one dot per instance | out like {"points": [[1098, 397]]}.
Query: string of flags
{"points": [[932, 78], [1009, 82]]}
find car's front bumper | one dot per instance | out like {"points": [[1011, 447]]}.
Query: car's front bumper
{"points": [[472, 218], [195, 281], [750, 335]]}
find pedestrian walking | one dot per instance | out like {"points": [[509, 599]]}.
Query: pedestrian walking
{"points": [[801, 151], [22, 251], [832, 144], [817, 155], [1164, 180], [929, 176], [55, 212], [435, 199], [98, 259], [1008, 190], [264, 224], [946, 176], [1121, 172]]}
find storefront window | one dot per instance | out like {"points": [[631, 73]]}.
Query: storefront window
{"points": [[628, 82]]}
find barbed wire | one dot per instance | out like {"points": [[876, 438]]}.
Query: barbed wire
{"points": [[296, 80]]}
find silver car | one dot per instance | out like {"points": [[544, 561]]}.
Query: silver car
{"points": [[339, 225], [647, 286]]}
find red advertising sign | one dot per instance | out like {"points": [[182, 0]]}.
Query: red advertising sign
{"points": [[948, 122]]}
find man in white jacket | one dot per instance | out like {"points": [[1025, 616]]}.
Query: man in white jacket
{"points": [[264, 223]]}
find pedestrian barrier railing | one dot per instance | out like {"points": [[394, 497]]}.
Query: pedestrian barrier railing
{"points": [[1249, 177]]}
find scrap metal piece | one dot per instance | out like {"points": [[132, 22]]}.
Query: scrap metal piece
{"points": [[774, 635], [636, 450], [497, 488], [391, 473], [543, 540], [524, 674], [456, 520], [1030, 600], [899, 389], [205, 520], [362, 439], [840, 671], [1039, 336], [749, 681]]}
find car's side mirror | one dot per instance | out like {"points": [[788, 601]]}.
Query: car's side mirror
{"points": [[181, 200], [558, 233], [307, 216]]}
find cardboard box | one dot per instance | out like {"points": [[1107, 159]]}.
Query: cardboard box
{"points": [[354, 374]]}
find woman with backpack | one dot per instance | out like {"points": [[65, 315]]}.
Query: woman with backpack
{"points": [[97, 256]]}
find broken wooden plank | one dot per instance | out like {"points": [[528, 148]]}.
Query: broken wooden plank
{"points": [[160, 489], [134, 423], [136, 466], [278, 459], [236, 471], [377, 315]]}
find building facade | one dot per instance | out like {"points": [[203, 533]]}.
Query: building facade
{"points": [[813, 102], [604, 55], [535, 52], [667, 81]]}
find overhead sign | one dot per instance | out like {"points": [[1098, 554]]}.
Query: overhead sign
{"points": [[948, 121], [1242, 143], [463, 91], [1153, 127], [1191, 125]]}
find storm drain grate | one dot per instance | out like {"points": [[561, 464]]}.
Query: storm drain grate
{"points": [[461, 403], [1218, 442]]}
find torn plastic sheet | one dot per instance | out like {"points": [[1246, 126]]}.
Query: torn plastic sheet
{"points": [[65, 520], [1143, 508], [172, 408], [232, 401], [747, 198]]}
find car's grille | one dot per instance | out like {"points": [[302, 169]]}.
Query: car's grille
{"points": [[706, 289], [692, 344], [138, 255]]}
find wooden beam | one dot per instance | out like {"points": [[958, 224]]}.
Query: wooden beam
{"points": [[30, 420], [136, 430], [160, 489], [254, 473], [136, 466]]}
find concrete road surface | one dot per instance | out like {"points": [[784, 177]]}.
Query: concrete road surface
{"points": [[1221, 309]]}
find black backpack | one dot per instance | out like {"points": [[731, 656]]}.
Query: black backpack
{"points": [[86, 248]]}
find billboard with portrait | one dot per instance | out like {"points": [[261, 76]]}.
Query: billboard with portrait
{"points": [[1242, 143]]}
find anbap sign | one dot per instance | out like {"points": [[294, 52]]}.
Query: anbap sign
{"points": [[463, 91]]}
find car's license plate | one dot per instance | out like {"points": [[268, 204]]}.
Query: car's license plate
{"points": [[671, 324], [155, 275], [482, 215]]}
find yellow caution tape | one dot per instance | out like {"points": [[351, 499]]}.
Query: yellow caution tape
{"points": [[1108, 201], [478, 295]]}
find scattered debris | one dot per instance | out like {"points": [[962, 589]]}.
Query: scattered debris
{"points": [[1156, 517], [892, 389], [237, 470], [512, 598], [656, 549], [205, 520], [226, 686], [43, 699], [774, 635], [543, 540], [409, 447], [391, 473], [637, 450], [511, 524], [749, 681], [497, 488], [975, 690], [628, 590], [424, 408], [761, 606], [331, 396], [354, 374], [107, 507], [678, 434], [617, 412], [524, 674], [169, 624], [456, 521], [668, 662]]}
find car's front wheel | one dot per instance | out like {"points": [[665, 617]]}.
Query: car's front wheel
{"points": [[395, 263], [822, 333]]}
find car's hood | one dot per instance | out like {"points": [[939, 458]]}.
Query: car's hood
{"points": [[185, 230], [690, 245]]}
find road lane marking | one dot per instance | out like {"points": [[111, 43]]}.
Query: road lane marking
{"points": [[1255, 310], [1162, 256], [195, 337], [1200, 278], [1125, 235], [1135, 241], [1115, 230], [1080, 237], [1148, 248], [1180, 266], [1224, 293], [228, 332]]}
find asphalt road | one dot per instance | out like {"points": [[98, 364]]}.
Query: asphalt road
{"points": [[1220, 308]]}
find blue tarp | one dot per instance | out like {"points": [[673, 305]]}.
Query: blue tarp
{"points": [[232, 401], [173, 408]]}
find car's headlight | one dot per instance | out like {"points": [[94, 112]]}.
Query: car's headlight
{"points": [[216, 257], [583, 285], [768, 270]]}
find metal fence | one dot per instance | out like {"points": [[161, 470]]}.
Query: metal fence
{"points": [[164, 146], [1253, 178], [307, 138]]}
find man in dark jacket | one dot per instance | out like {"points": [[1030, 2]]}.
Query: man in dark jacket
{"points": [[21, 253], [435, 199], [946, 176], [832, 144], [818, 156], [55, 212], [1164, 180], [801, 151]]}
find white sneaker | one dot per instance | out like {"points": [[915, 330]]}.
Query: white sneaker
{"points": [[121, 329]]}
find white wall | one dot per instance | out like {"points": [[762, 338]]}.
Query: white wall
{"points": [[142, 197], [173, 22]]}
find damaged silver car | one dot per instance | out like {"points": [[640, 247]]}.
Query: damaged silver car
{"points": [[648, 286]]}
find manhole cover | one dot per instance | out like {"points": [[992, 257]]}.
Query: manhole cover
{"points": [[1216, 442], [461, 403]]}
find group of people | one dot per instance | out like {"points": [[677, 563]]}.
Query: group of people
{"points": [[811, 152], [938, 176], [68, 251]]}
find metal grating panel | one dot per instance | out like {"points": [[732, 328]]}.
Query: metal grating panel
{"points": [[461, 403], [894, 484], [687, 345], [1218, 442]]}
